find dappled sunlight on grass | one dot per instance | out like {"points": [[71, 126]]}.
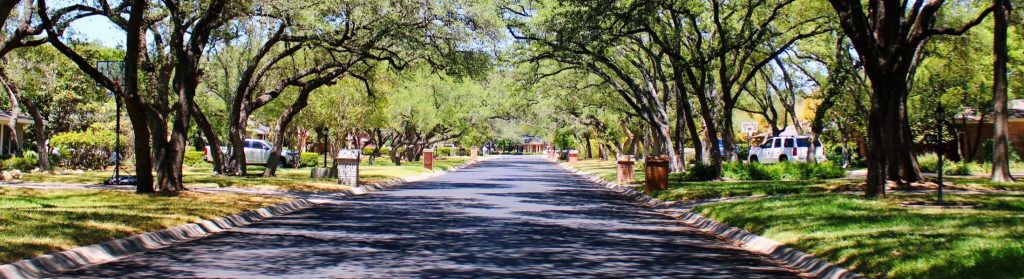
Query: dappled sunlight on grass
{"points": [[720, 189], [975, 183], [34, 222], [288, 179], [879, 238], [606, 169]]}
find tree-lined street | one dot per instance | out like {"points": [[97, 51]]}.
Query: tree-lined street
{"points": [[506, 217]]}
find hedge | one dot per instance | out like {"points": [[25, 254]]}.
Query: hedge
{"points": [[194, 158], [782, 171], [90, 149], [310, 159]]}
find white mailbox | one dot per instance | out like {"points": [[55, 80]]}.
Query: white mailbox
{"points": [[348, 166]]}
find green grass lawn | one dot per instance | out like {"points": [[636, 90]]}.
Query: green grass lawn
{"points": [[974, 183], [35, 222], [606, 169], [720, 189], [287, 178], [879, 238], [680, 190]]}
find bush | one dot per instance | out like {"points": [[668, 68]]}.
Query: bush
{"points": [[369, 150], [987, 151], [962, 168], [90, 149], [194, 158], [782, 171], [444, 151], [311, 159], [20, 163], [30, 154], [699, 172], [930, 163]]}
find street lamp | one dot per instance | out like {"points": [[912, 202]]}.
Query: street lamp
{"points": [[114, 70]]}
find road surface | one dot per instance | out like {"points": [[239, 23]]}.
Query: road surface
{"points": [[506, 217]]}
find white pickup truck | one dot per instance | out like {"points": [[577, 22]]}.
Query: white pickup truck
{"points": [[257, 152], [785, 149]]}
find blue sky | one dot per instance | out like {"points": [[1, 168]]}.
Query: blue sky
{"points": [[98, 29]]}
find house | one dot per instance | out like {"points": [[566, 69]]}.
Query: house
{"points": [[976, 129], [532, 144], [5, 135]]}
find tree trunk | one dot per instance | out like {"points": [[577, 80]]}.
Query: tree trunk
{"points": [[38, 123], [236, 136], [728, 136], [12, 123], [134, 106], [282, 126], [212, 140], [1000, 150], [876, 155], [586, 139]]}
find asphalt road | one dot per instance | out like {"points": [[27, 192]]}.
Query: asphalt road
{"points": [[506, 217]]}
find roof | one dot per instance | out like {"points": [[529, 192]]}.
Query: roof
{"points": [[1014, 110], [22, 118], [532, 140]]}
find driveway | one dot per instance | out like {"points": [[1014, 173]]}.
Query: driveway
{"points": [[506, 217]]}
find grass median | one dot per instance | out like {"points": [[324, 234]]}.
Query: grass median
{"points": [[290, 179], [880, 238], [34, 222]]}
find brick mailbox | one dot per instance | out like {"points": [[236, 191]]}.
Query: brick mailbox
{"points": [[428, 159], [348, 166], [472, 152], [626, 171], [574, 156], [656, 173]]}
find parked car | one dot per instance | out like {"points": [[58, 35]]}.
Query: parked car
{"points": [[721, 148], [785, 149], [257, 152]]}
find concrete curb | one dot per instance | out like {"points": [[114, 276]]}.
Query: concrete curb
{"points": [[57, 262], [804, 262], [84, 256]]}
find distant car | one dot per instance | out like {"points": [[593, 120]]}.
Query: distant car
{"points": [[785, 149], [257, 152], [721, 148]]}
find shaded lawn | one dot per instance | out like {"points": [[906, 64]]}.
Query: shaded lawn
{"points": [[679, 190], [975, 183], [287, 178], [34, 222], [879, 238]]}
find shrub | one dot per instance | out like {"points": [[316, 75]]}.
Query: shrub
{"points": [[28, 153], [311, 159], [782, 171], [194, 158], [930, 163], [369, 150], [987, 151], [699, 172], [90, 149], [961, 168], [445, 151], [20, 163]]}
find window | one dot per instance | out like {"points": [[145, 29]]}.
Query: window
{"points": [[806, 142], [789, 143], [778, 142], [767, 144], [249, 144]]}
